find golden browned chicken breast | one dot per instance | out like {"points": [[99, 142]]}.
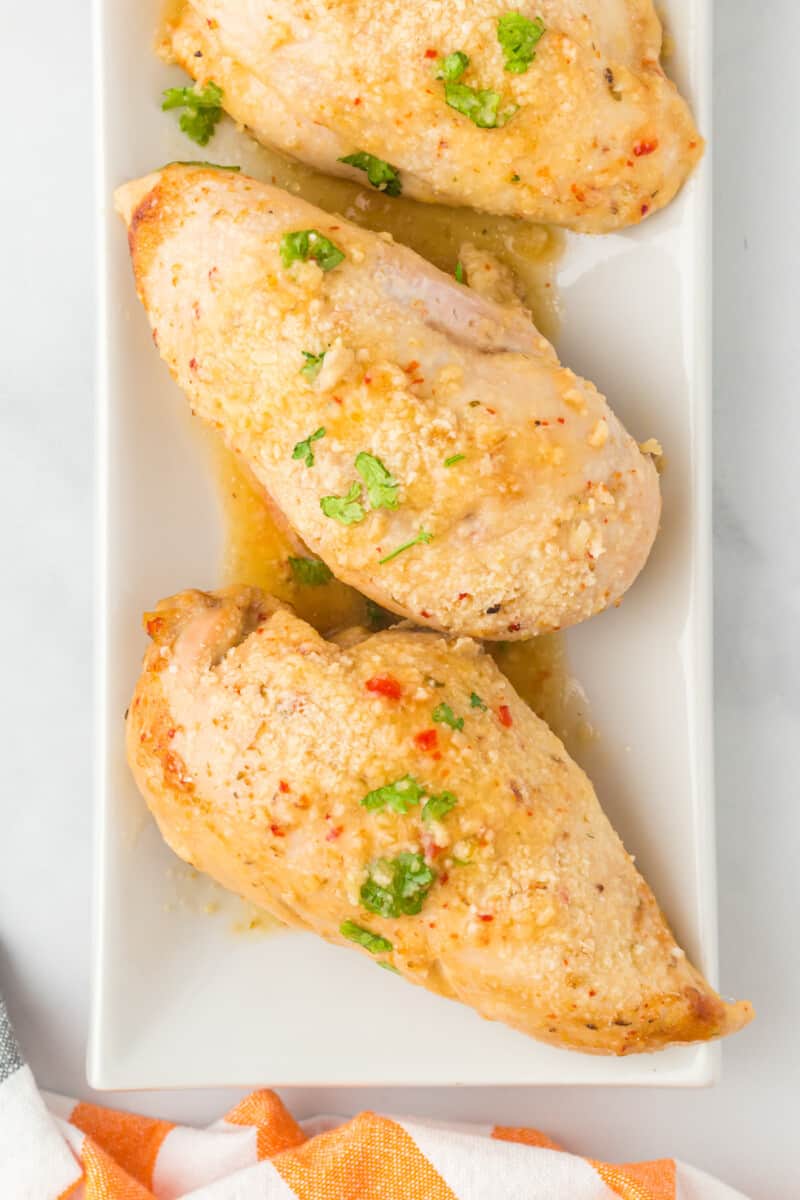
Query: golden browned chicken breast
{"points": [[552, 111], [393, 791], [421, 439]]}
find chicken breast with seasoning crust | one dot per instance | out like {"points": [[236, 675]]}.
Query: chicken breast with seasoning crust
{"points": [[423, 440], [393, 791], [551, 111]]}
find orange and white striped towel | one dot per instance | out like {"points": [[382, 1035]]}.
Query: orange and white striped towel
{"points": [[52, 1148]]}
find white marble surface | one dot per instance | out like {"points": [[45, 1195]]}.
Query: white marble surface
{"points": [[744, 1130]]}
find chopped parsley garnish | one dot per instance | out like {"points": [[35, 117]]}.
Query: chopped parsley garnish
{"points": [[313, 364], [387, 966], [382, 175], [438, 806], [310, 571], [399, 796], [515, 178], [303, 449], [422, 536], [444, 715], [347, 510], [459, 273], [397, 887], [310, 243], [203, 109], [180, 162], [452, 66], [363, 937], [381, 487], [476, 702], [518, 37], [377, 617], [453, 459], [481, 105]]}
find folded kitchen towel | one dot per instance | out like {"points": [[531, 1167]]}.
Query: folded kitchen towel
{"points": [[52, 1148]]}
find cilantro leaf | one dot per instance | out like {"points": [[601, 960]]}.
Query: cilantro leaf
{"points": [[518, 37], [347, 510], [444, 715], [194, 162], [397, 887], [422, 536], [387, 966], [203, 109], [479, 104], [363, 937], [459, 273], [313, 364], [381, 487], [453, 459], [310, 571], [476, 702], [377, 617], [452, 66], [398, 796], [303, 449], [310, 243], [382, 175], [439, 806]]}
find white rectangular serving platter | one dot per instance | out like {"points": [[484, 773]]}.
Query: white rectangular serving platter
{"points": [[181, 1000]]}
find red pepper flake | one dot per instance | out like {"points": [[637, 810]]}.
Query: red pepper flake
{"points": [[155, 337], [504, 716], [333, 834], [192, 364], [514, 627], [171, 733], [465, 595], [493, 411], [196, 310], [357, 101], [276, 831], [561, 420], [645, 209], [420, 380], [431, 53], [578, 193], [368, 379], [485, 917], [645, 147], [214, 271], [283, 785], [423, 612], [384, 685], [336, 399], [411, 368], [427, 739], [154, 626]]}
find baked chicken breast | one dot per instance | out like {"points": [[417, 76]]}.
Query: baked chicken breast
{"points": [[423, 440], [551, 111], [392, 791]]}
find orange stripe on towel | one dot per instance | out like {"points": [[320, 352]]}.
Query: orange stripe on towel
{"points": [[639, 1181], [276, 1128], [106, 1180], [370, 1155], [526, 1137], [131, 1141]]}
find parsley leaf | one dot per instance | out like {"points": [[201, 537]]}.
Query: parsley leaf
{"points": [[313, 364], [387, 966], [422, 536], [303, 449], [476, 702], [363, 937], [453, 459], [310, 571], [479, 104], [405, 883], [452, 66], [310, 243], [518, 37], [459, 273], [438, 806], [398, 796], [381, 487], [203, 109], [382, 175], [347, 510], [444, 715]]}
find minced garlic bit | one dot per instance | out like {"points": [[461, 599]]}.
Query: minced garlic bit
{"points": [[651, 446], [599, 435]]}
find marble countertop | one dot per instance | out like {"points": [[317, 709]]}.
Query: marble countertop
{"points": [[744, 1129]]}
